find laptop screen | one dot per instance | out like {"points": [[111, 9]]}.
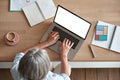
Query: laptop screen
{"points": [[72, 22]]}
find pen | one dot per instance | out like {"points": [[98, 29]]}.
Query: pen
{"points": [[92, 51]]}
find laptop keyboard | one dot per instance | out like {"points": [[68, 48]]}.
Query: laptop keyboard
{"points": [[64, 35]]}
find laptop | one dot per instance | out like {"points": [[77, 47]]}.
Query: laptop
{"points": [[70, 26]]}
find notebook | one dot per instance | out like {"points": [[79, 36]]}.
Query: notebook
{"points": [[17, 5], [113, 39], [39, 11]]}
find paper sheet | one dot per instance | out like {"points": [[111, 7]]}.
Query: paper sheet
{"points": [[115, 46], [33, 14], [48, 9], [17, 5]]}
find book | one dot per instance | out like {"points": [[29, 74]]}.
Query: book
{"points": [[113, 39], [39, 11], [17, 5]]}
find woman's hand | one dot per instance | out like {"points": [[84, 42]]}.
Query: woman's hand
{"points": [[64, 48], [52, 38]]}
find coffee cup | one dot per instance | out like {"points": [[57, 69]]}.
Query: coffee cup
{"points": [[11, 38]]}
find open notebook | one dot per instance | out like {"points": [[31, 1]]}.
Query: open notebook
{"points": [[39, 11], [113, 39]]}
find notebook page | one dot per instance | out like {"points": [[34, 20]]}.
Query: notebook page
{"points": [[17, 5], [104, 44], [47, 8], [33, 14], [115, 46]]}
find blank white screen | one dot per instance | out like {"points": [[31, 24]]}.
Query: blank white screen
{"points": [[72, 22]]}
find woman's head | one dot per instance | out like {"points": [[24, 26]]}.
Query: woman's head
{"points": [[34, 65]]}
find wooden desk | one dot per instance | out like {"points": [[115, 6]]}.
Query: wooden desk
{"points": [[91, 10]]}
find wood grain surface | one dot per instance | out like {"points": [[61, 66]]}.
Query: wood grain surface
{"points": [[91, 10]]}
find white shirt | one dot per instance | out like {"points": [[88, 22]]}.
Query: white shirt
{"points": [[50, 75]]}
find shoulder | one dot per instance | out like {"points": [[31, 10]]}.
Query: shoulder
{"points": [[16, 61], [14, 69], [54, 76]]}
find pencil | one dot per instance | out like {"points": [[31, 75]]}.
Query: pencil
{"points": [[92, 51]]}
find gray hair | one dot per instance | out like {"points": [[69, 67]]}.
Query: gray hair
{"points": [[34, 65]]}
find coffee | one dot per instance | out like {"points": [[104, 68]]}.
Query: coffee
{"points": [[11, 36]]}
